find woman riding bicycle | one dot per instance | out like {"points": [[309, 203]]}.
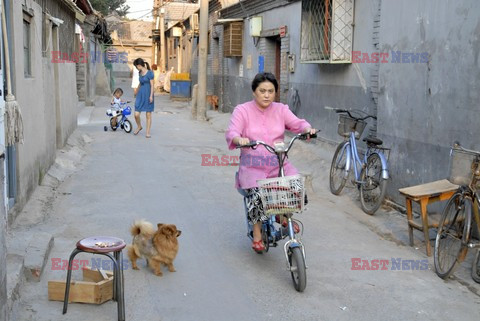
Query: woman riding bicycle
{"points": [[266, 120]]}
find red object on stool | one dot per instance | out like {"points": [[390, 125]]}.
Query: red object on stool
{"points": [[103, 245]]}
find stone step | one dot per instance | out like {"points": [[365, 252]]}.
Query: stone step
{"points": [[15, 278], [36, 255], [25, 261]]}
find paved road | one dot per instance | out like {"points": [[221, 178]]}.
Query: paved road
{"points": [[125, 177]]}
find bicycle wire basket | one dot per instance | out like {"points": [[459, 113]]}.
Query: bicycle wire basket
{"points": [[462, 166], [282, 195], [346, 125]]}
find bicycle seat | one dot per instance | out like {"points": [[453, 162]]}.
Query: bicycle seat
{"points": [[373, 141]]}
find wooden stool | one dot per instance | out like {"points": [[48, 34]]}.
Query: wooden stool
{"points": [[102, 245], [425, 194]]}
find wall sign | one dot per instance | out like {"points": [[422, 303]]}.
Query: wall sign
{"points": [[261, 63]]}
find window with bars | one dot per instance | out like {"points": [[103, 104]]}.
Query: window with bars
{"points": [[327, 31]]}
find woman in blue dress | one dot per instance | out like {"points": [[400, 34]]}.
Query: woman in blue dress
{"points": [[144, 99]]}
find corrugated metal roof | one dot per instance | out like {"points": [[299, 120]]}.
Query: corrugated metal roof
{"points": [[177, 11], [85, 6]]}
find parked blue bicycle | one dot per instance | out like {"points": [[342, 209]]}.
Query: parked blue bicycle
{"points": [[371, 173]]}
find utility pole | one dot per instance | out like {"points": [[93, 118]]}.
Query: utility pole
{"points": [[202, 62], [162, 37], [156, 15]]}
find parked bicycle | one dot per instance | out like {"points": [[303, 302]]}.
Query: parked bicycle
{"points": [[281, 198], [455, 227], [371, 173]]}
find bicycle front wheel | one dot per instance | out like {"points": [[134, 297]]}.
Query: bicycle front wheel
{"points": [[452, 235], [127, 126], [476, 267], [374, 186], [297, 268], [337, 170]]}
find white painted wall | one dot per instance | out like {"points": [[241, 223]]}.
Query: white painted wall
{"points": [[42, 98]]}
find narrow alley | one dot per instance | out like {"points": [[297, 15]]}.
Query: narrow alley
{"points": [[123, 177]]}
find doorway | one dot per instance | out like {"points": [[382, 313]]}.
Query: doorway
{"points": [[273, 54]]}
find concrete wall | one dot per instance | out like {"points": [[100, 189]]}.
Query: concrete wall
{"points": [[424, 107], [48, 101], [3, 250]]}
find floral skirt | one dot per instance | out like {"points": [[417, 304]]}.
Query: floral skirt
{"points": [[255, 212]]}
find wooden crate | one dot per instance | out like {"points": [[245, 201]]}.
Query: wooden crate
{"points": [[96, 287]]}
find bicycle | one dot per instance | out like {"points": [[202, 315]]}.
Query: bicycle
{"points": [[281, 197], [373, 176], [455, 227], [121, 113]]}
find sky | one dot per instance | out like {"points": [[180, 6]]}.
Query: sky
{"points": [[140, 9]]}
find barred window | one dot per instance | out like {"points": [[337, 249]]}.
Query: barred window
{"points": [[327, 31]]}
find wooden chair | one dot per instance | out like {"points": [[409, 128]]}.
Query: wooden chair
{"points": [[424, 195]]}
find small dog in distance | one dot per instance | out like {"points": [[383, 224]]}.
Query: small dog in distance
{"points": [[213, 101]]}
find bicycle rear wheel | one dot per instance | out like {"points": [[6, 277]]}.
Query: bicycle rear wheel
{"points": [[476, 267], [337, 170], [113, 123], [373, 188], [297, 268], [265, 234], [453, 234]]}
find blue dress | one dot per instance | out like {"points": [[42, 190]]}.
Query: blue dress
{"points": [[142, 101]]}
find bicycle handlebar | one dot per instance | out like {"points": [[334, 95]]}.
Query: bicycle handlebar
{"points": [[346, 111], [254, 143], [456, 145]]}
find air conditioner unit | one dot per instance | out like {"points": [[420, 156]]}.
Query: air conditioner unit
{"points": [[194, 22]]}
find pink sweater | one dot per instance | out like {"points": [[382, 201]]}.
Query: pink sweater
{"points": [[268, 125]]}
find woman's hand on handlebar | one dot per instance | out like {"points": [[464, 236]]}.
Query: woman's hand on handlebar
{"points": [[310, 133], [240, 141]]}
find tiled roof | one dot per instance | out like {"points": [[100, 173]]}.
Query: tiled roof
{"points": [[135, 30]]}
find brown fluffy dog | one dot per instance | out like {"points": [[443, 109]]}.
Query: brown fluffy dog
{"points": [[158, 247]]}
